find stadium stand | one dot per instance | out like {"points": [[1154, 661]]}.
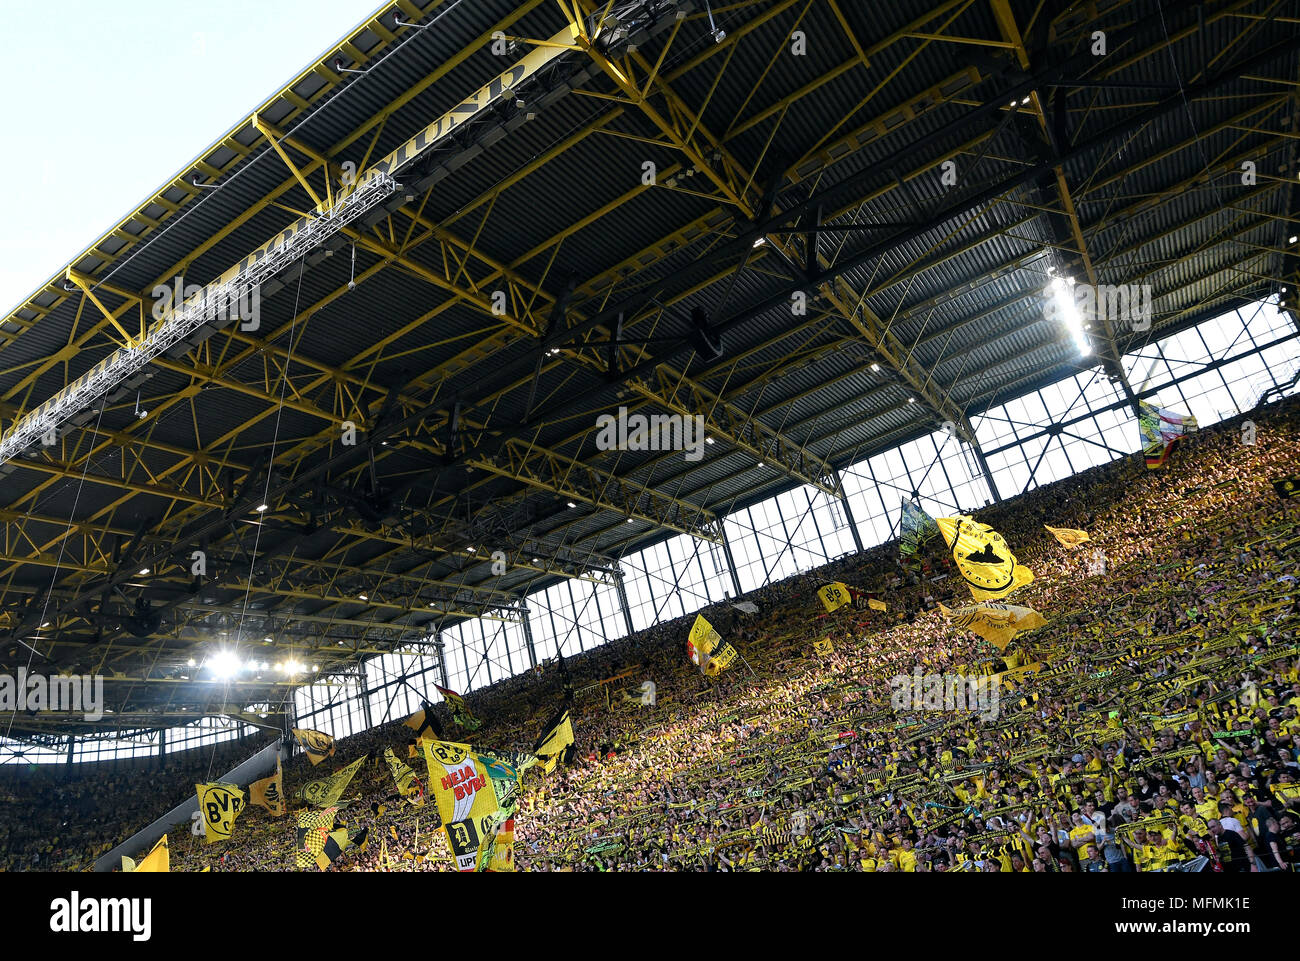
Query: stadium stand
{"points": [[671, 435], [801, 763]]}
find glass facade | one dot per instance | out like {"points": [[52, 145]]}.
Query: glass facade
{"points": [[1214, 371]]}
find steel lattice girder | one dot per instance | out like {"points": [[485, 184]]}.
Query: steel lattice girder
{"points": [[562, 475], [674, 391]]}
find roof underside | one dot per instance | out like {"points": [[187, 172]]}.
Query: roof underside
{"points": [[916, 172]]}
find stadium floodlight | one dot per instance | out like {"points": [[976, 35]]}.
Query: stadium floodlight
{"points": [[207, 307], [1068, 312], [223, 664]]}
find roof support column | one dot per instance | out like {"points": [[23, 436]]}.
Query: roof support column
{"points": [[731, 560], [528, 639], [848, 512], [622, 600]]}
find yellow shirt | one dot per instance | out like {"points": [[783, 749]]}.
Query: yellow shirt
{"points": [[1079, 837]]}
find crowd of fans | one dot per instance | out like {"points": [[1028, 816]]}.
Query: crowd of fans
{"points": [[1150, 725]]}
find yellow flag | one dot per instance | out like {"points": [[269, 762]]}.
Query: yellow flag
{"points": [[157, 861], [327, 790], [219, 805], [996, 623], [317, 745], [403, 776], [824, 646], [1069, 536], [876, 605], [834, 596], [554, 740], [707, 649], [983, 559], [459, 781], [128, 864], [269, 792]]}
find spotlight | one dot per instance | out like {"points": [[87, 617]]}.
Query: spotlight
{"points": [[223, 664]]}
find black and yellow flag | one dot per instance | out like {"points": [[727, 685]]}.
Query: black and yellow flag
{"points": [[460, 712], [824, 646], [706, 648], [337, 843], [458, 779], [219, 805], [403, 776], [834, 596], [313, 831], [156, 861], [1069, 536], [983, 559], [466, 836], [327, 790], [996, 623], [425, 725], [317, 745], [269, 792], [555, 739]]}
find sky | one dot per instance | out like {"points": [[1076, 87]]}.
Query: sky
{"points": [[105, 102]]}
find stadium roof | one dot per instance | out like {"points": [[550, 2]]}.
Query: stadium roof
{"points": [[854, 214]]}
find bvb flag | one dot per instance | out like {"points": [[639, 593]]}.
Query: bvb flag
{"points": [[460, 712], [824, 646], [317, 745], [219, 805], [1069, 536], [914, 529], [996, 623], [983, 559], [707, 650], [1161, 431], [327, 790], [556, 737], [466, 798], [269, 792], [407, 782], [834, 596], [459, 781]]}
